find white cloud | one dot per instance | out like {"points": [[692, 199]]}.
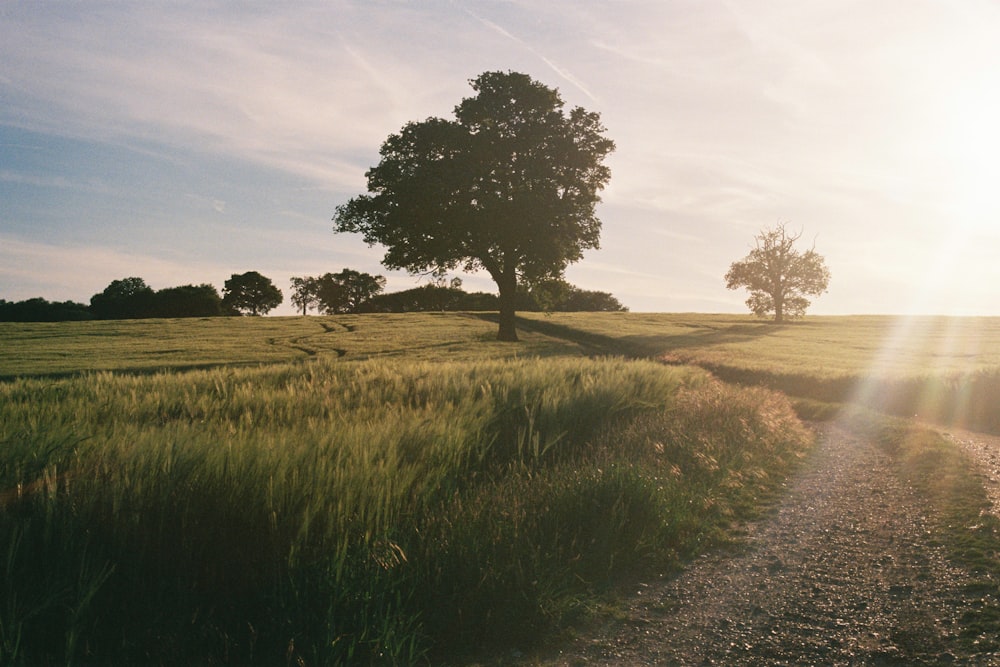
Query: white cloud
{"points": [[64, 272]]}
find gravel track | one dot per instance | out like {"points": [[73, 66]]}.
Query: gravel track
{"points": [[843, 571]]}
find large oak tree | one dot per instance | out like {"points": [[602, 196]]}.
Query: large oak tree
{"points": [[509, 186], [779, 276]]}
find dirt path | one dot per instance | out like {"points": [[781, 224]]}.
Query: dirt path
{"points": [[843, 572]]}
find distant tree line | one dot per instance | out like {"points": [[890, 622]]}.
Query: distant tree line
{"points": [[251, 293], [40, 310], [350, 291], [131, 298], [343, 292], [247, 293]]}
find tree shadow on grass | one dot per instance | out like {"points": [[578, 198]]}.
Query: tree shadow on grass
{"points": [[650, 345]]}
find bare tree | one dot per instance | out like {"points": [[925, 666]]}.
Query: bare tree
{"points": [[778, 276]]}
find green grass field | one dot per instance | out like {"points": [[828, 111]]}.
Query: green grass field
{"points": [[392, 489], [944, 370], [66, 348], [822, 348]]}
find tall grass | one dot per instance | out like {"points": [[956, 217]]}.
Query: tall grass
{"points": [[345, 513]]}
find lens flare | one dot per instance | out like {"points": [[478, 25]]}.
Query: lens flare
{"points": [[921, 369]]}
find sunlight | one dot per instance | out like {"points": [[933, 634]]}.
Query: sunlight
{"points": [[971, 150], [922, 369], [953, 169]]}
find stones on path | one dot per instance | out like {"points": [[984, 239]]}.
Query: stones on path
{"points": [[843, 572]]}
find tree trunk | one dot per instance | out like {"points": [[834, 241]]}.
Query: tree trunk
{"points": [[507, 286], [779, 310]]}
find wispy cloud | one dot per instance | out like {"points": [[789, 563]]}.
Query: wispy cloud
{"points": [[272, 87], [60, 182], [562, 72]]}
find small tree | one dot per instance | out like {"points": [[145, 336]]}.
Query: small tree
{"points": [[509, 186], [250, 293], [778, 276], [305, 293]]}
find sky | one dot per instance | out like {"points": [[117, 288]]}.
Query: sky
{"points": [[183, 142]]}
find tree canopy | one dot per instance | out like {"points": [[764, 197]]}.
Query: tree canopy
{"points": [[560, 296], [128, 298], [778, 276], [41, 310], [132, 298], [250, 293], [347, 291], [509, 186], [442, 295], [187, 301], [304, 295]]}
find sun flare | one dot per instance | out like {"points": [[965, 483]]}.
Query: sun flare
{"points": [[971, 148], [956, 159]]}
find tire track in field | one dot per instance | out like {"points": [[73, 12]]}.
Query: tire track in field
{"points": [[298, 342]]}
